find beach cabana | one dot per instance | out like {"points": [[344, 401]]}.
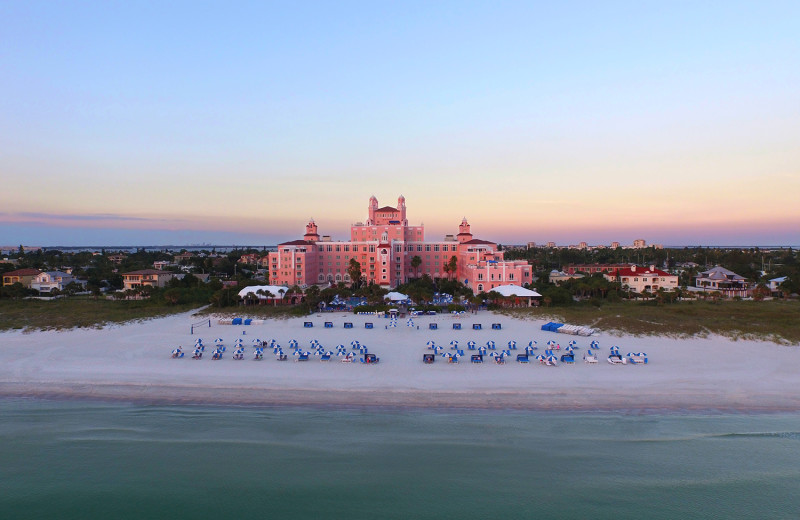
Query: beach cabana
{"points": [[456, 326], [516, 295]]}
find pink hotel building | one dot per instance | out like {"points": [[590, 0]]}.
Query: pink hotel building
{"points": [[385, 245]]}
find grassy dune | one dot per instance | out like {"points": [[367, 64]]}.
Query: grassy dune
{"points": [[776, 321], [73, 312]]}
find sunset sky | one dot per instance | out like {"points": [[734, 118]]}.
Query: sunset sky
{"points": [[151, 123]]}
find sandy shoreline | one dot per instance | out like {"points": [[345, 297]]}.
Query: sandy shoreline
{"points": [[132, 363]]}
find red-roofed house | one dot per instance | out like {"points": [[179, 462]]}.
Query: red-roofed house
{"points": [[641, 279], [23, 276]]}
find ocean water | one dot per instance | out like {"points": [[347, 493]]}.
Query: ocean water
{"points": [[61, 459]]}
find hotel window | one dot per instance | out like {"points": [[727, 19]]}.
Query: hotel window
{"points": [[511, 276], [371, 248], [338, 248], [329, 248]]}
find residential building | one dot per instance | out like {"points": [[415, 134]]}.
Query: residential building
{"points": [[640, 279], [145, 277], [23, 276], [117, 258], [594, 268], [385, 246], [49, 280], [559, 277], [775, 286], [725, 281]]}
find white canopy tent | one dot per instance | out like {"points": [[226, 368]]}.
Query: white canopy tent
{"points": [[395, 297], [516, 290], [277, 291]]}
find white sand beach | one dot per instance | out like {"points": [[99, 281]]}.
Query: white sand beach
{"points": [[133, 362]]}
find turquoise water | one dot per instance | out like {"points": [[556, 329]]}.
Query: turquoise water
{"points": [[88, 460]]}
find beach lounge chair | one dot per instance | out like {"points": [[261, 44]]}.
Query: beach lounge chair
{"points": [[328, 324], [456, 326], [433, 326], [476, 326], [282, 357], [589, 358], [616, 359], [476, 358], [370, 359], [368, 325], [308, 324], [428, 358], [496, 326], [522, 358], [568, 358], [348, 325]]}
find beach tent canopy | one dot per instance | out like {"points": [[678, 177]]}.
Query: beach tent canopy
{"points": [[516, 290], [277, 291], [396, 296]]}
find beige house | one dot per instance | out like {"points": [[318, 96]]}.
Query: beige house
{"points": [[641, 279], [23, 276], [146, 277]]}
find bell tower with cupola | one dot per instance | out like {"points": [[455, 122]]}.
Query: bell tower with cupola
{"points": [[311, 232]]}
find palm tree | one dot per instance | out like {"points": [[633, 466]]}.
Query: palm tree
{"points": [[415, 263], [452, 265]]}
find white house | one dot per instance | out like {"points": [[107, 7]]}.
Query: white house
{"points": [[725, 281], [49, 280]]}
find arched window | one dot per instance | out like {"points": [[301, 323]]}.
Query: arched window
{"points": [[321, 277], [338, 277], [346, 277], [480, 287]]}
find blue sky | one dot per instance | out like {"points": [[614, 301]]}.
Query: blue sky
{"points": [[584, 121]]}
